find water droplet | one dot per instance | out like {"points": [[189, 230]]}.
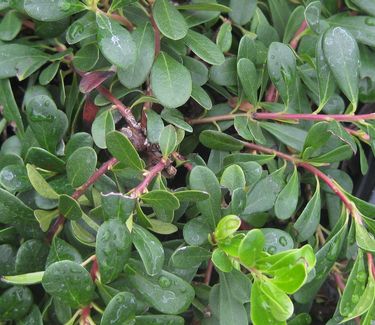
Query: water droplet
{"points": [[76, 30], [283, 241], [271, 249], [164, 282]]}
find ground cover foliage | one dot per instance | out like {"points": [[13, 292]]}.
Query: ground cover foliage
{"points": [[184, 162]]}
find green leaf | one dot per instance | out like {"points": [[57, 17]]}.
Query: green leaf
{"points": [[161, 198], [169, 21], [82, 28], [198, 70], [290, 135], [204, 48], [45, 218], [203, 179], [290, 279], [277, 240], [249, 129], [354, 287], [326, 82], [10, 25], [34, 317], [15, 303], [11, 111], [365, 301], [86, 57], [242, 11], [44, 159], [150, 250], [115, 42], [224, 37], [23, 279], [14, 178], [175, 117], [121, 148], [121, 308], [47, 122], [225, 74], [279, 303], [154, 126], [166, 292], [117, 206], [251, 247], [47, 75], [196, 231], [161, 227], [364, 239], [159, 320], [51, 10], [40, 184], [168, 140], [342, 54], [309, 219], [69, 207], [221, 260], [201, 97], [81, 165], [204, 6], [170, 77], [31, 256], [281, 64], [60, 250], [136, 74], [232, 178], [191, 195], [113, 246], [287, 199], [102, 125], [70, 282], [226, 227], [189, 257], [232, 310], [247, 74], [220, 141], [263, 195]]}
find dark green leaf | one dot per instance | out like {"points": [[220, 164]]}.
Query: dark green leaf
{"points": [[13, 210], [60, 250], [115, 42], [247, 74], [81, 165], [113, 245], [69, 207], [220, 141], [168, 140], [150, 250], [342, 54], [121, 308], [121, 148], [242, 11], [189, 257], [70, 282], [51, 10], [102, 125], [170, 77], [15, 303]]}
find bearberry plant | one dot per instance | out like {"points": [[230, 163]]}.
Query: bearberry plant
{"points": [[185, 162]]}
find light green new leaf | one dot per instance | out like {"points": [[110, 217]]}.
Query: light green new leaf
{"points": [[221, 260], [169, 21], [251, 247], [364, 239], [342, 54], [40, 184], [170, 77], [226, 227], [224, 37]]}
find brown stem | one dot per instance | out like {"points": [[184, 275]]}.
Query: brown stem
{"points": [[59, 223], [151, 174], [123, 20], [208, 274], [283, 116], [138, 138]]}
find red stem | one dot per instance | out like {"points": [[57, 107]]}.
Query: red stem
{"points": [[156, 35], [151, 174], [370, 260], [58, 224], [339, 282], [297, 35]]}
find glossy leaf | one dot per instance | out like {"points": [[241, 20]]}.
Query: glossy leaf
{"points": [[251, 247], [121, 308], [77, 172]]}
